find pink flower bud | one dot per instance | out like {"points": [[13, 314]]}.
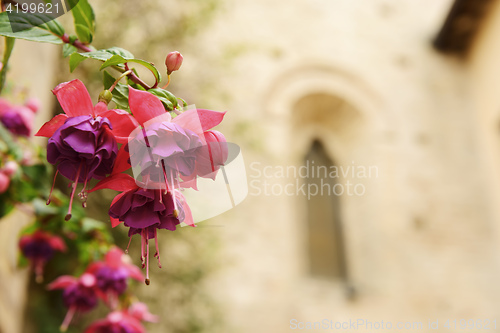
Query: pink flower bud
{"points": [[33, 104], [4, 182], [10, 168], [173, 62]]}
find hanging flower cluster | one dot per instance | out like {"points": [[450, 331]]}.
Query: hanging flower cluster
{"points": [[167, 150], [105, 280]]}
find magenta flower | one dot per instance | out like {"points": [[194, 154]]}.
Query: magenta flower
{"points": [[17, 119], [116, 322], [112, 275], [208, 159], [170, 147], [4, 182], [78, 295], [39, 248], [144, 211], [140, 311], [163, 151], [83, 141]]}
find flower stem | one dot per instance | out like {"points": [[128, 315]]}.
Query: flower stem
{"points": [[168, 82], [119, 78], [9, 46], [82, 47]]}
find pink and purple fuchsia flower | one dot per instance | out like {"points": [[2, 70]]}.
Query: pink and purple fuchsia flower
{"points": [[79, 294], [18, 119], [163, 150], [112, 275], [126, 321], [83, 141], [39, 248]]}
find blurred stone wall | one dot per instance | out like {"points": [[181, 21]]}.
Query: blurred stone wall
{"points": [[32, 68]]}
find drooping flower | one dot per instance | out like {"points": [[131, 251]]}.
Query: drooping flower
{"points": [[163, 151], [39, 248], [116, 322], [208, 159], [33, 104], [83, 141], [112, 275], [17, 119], [140, 311], [79, 294], [4, 182], [10, 168], [168, 150], [145, 211]]}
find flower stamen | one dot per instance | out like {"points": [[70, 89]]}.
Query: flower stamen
{"points": [[52, 188], [75, 183]]}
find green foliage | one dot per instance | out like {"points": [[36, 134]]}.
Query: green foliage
{"points": [[118, 60], [31, 26], [84, 20], [76, 58], [166, 97]]}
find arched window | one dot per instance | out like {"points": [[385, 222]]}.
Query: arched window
{"points": [[325, 242]]}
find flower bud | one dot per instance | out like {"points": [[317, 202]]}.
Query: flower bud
{"points": [[10, 168], [173, 62], [4, 182], [33, 104], [105, 96]]}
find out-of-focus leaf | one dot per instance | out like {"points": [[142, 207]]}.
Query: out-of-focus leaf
{"points": [[31, 26], [84, 19], [68, 50]]}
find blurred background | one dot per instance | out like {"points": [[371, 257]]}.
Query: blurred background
{"points": [[399, 100]]}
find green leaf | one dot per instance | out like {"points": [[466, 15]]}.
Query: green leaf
{"points": [[76, 58], [9, 46], [84, 19], [101, 55], [68, 50], [121, 52], [118, 60], [166, 97], [31, 26]]}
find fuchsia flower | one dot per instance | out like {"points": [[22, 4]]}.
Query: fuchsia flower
{"points": [[140, 311], [170, 149], [78, 294], [39, 248], [4, 182], [116, 322], [83, 141], [16, 118], [126, 321], [112, 275]]}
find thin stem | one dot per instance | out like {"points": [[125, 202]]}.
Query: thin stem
{"points": [[119, 78], [135, 78], [75, 184], [82, 47], [9, 46], [168, 82], [68, 318]]}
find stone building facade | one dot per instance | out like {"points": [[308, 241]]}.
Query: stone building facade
{"points": [[409, 124]]}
